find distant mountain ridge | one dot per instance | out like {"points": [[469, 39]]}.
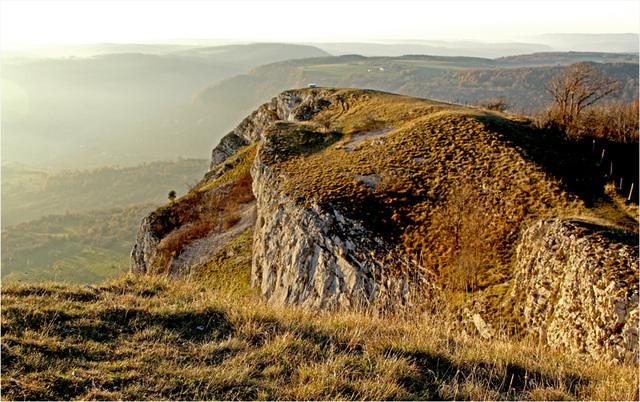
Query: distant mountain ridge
{"points": [[520, 80], [64, 112], [104, 109]]}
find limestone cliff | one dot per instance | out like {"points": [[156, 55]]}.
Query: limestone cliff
{"points": [[362, 199], [319, 258], [579, 290], [168, 222], [288, 106]]}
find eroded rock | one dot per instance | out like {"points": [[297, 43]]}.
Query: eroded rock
{"points": [[572, 293]]}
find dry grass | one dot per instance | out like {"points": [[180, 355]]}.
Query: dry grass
{"points": [[197, 215], [148, 338], [451, 185]]}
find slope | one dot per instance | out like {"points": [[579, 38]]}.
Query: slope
{"points": [[149, 338]]}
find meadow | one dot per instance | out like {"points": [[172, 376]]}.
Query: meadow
{"points": [[152, 338]]}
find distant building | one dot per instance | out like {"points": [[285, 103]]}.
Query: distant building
{"points": [[312, 86]]}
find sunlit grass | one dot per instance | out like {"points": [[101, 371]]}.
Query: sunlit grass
{"points": [[150, 338]]}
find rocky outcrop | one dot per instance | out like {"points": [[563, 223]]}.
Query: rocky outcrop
{"points": [[308, 256], [288, 106], [146, 246], [321, 259], [228, 146], [578, 291], [575, 285]]}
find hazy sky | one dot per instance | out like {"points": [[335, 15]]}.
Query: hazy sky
{"points": [[90, 21]]}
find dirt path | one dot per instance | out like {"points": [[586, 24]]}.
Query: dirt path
{"points": [[359, 138]]}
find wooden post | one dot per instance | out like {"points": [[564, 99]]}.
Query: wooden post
{"points": [[630, 192], [621, 184], [611, 170], [602, 157], [593, 148]]}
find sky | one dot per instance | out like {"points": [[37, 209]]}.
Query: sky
{"points": [[30, 22]]}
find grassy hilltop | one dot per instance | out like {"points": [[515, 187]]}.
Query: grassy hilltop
{"points": [[451, 186]]}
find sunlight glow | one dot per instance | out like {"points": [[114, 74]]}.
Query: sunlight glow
{"points": [[40, 22]]}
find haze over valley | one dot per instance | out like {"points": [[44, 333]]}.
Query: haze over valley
{"points": [[123, 104], [320, 200]]}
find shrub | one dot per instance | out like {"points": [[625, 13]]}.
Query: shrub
{"points": [[172, 195], [205, 212], [498, 104], [364, 123], [612, 121], [230, 221]]}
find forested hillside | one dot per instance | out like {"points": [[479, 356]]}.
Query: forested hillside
{"points": [[29, 193], [74, 248], [78, 226], [518, 81]]}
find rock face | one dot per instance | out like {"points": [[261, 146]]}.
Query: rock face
{"points": [[321, 259], [578, 293], [145, 248], [287, 106]]}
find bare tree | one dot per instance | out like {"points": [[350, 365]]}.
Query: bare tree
{"points": [[499, 104], [577, 87]]}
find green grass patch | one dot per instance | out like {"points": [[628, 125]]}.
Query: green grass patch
{"points": [[75, 248], [231, 267]]}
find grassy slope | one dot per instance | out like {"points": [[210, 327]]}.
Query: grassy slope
{"points": [[452, 186], [149, 338], [210, 208]]}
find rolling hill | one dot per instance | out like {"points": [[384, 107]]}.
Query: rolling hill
{"points": [[64, 112]]}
